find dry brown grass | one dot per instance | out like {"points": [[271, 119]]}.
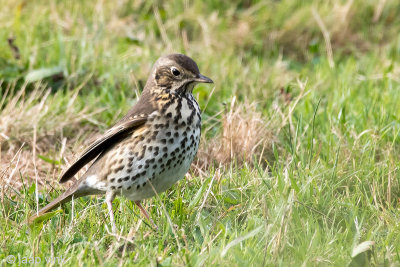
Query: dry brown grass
{"points": [[33, 124], [246, 137]]}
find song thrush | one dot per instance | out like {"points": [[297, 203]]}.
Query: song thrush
{"points": [[150, 148]]}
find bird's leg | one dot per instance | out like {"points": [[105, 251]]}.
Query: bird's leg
{"points": [[109, 199], [145, 213]]}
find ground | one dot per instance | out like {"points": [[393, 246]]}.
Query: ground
{"points": [[299, 158]]}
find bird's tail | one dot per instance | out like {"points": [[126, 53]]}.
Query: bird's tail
{"points": [[77, 190]]}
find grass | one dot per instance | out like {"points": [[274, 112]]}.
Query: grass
{"points": [[319, 187]]}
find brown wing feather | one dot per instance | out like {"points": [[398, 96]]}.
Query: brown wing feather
{"points": [[110, 137]]}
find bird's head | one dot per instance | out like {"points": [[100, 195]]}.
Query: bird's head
{"points": [[177, 74]]}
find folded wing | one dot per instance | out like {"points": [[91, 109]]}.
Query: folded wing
{"points": [[110, 137]]}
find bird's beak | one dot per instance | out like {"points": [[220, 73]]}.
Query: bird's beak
{"points": [[203, 79]]}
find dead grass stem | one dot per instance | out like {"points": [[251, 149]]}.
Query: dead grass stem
{"points": [[245, 137]]}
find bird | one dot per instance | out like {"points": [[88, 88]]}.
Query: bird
{"points": [[150, 148]]}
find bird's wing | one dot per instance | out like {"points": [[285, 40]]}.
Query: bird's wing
{"points": [[109, 138]]}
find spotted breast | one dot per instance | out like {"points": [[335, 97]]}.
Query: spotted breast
{"points": [[157, 154]]}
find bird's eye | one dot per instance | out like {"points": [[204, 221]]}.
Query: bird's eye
{"points": [[175, 71]]}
